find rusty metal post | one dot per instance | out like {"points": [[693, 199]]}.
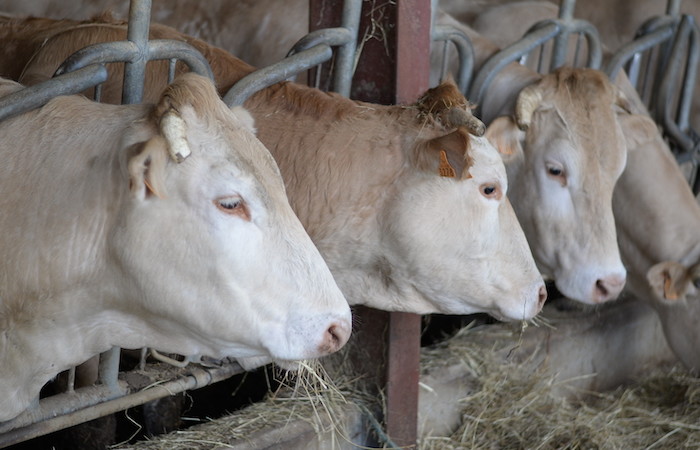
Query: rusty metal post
{"points": [[394, 67]]}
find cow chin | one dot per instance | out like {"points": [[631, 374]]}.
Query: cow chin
{"points": [[254, 362]]}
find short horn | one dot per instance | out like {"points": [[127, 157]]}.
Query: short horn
{"points": [[526, 104], [174, 130], [460, 117]]}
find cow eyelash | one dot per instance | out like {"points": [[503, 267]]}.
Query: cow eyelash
{"points": [[556, 171], [233, 205], [490, 190]]}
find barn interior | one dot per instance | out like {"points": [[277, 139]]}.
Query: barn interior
{"points": [[574, 376]]}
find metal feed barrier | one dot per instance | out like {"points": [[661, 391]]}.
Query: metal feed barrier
{"points": [[662, 63], [547, 44]]}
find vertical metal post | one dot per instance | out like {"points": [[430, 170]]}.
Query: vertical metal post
{"points": [[137, 33], [394, 67], [109, 369], [561, 42]]}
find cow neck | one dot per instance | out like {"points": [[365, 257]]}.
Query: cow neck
{"points": [[340, 160], [655, 212]]}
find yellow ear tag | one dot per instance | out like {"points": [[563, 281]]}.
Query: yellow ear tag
{"points": [[669, 292], [445, 169]]}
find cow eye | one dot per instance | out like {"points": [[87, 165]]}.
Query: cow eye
{"points": [[696, 282], [556, 172], [490, 190], [233, 205]]}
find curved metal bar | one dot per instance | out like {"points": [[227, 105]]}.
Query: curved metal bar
{"points": [[171, 49], [565, 28], [125, 51], [509, 54], [327, 36], [639, 45], [135, 68], [106, 52], [347, 57], [676, 125], [465, 52], [280, 71], [35, 96]]}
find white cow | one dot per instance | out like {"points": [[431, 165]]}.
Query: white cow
{"points": [[106, 241], [656, 216], [366, 182]]}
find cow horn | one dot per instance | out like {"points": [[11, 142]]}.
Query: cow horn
{"points": [[460, 117], [174, 130], [622, 102], [527, 102]]}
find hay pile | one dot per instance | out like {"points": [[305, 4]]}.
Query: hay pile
{"points": [[308, 396], [515, 408]]}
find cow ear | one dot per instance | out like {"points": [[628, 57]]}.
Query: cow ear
{"points": [[244, 118], [447, 156], [506, 136], [638, 129], [147, 168], [669, 281]]}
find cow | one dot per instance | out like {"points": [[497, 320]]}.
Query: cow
{"points": [[365, 181], [594, 118], [656, 216], [163, 225], [676, 299]]}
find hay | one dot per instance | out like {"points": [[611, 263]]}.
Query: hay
{"points": [[307, 396], [516, 407]]}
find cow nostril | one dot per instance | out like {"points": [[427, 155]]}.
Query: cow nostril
{"points": [[542, 296], [334, 338], [602, 290]]}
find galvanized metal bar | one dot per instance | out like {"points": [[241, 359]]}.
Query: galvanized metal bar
{"points": [[676, 123], [125, 51], [35, 96], [135, 68], [343, 37], [465, 53], [561, 41], [326, 36], [182, 51], [345, 58], [108, 370], [103, 53], [641, 44], [96, 401], [275, 73], [509, 54]]}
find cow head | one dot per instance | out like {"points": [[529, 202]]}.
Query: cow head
{"points": [[210, 244], [676, 298], [448, 229], [564, 150]]}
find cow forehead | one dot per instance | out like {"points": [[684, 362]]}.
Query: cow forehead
{"points": [[586, 137], [487, 160]]}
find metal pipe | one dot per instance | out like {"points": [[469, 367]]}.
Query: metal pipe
{"points": [[108, 370], [196, 378], [639, 45], [137, 33], [38, 95], [346, 58], [511, 53], [465, 52], [280, 71]]}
